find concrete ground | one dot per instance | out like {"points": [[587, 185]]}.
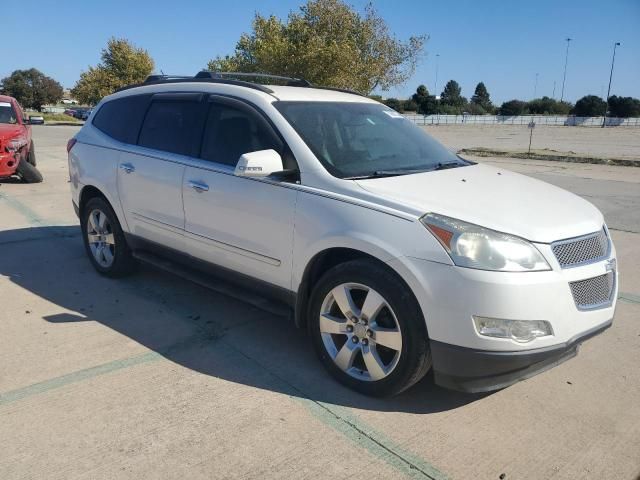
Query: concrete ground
{"points": [[612, 142], [154, 377]]}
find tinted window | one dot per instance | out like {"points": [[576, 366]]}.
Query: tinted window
{"points": [[173, 126], [121, 118], [231, 132], [365, 139]]}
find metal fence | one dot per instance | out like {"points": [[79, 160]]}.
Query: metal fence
{"points": [[570, 121]]}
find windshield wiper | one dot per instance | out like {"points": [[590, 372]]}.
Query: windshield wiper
{"points": [[386, 173], [446, 165]]}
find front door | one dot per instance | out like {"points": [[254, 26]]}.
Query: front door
{"points": [[236, 222]]}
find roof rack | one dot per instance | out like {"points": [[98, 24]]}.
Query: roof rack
{"points": [[231, 78], [163, 79], [290, 81]]}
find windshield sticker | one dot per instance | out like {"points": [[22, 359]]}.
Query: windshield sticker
{"points": [[5, 104], [393, 114]]}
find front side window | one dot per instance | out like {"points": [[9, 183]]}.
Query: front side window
{"points": [[7, 113], [355, 140], [173, 126], [232, 132]]}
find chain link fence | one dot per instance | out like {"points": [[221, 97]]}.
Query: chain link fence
{"points": [[555, 120]]}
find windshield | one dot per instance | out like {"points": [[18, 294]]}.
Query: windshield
{"points": [[361, 140], [7, 114]]}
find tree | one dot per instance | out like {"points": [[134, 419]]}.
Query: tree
{"points": [[548, 106], [512, 107], [589, 106], [624, 107], [327, 43], [122, 64], [410, 105], [32, 88], [451, 95], [394, 103], [425, 103], [481, 99]]}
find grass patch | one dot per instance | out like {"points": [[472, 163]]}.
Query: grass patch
{"points": [[56, 117]]}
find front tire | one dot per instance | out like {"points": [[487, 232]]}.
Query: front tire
{"points": [[368, 329], [104, 239], [28, 173], [31, 157]]}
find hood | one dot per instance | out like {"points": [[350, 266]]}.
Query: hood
{"points": [[493, 198]]}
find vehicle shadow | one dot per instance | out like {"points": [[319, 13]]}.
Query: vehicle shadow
{"points": [[190, 325]]}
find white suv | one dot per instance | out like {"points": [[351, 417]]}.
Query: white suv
{"points": [[397, 255]]}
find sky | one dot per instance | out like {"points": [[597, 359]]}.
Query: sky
{"points": [[504, 44]]}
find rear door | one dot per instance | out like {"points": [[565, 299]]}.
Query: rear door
{"points": [[236, 222], [150, 173]]}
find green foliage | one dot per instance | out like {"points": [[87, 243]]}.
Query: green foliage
{"points": [[32, 88], [548, 106], [481, 101], [327, 43], [410, 105], [122, 64], [624, 107], [476, 109], [513, 107], [396, 104], [425, 103], [451, 95], [589, 106]]}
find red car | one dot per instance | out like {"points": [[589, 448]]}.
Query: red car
{"points": [[17, 154]]}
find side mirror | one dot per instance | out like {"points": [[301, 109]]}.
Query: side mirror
{"points": [[259, 164], [25, 120]]}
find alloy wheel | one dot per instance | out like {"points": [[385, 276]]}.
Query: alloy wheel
{"points": [[101, 239], [360, 332]]}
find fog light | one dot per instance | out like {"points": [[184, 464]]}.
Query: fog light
{"points": [[522, 331]]}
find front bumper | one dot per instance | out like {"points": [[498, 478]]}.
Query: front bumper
{"points": [[8, 164], [474, 371], [450, 296]]}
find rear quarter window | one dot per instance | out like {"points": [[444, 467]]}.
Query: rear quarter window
{"points": [[121, 118]]}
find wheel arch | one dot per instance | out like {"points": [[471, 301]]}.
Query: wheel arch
{"points": [[90, 191], [320, 263]]}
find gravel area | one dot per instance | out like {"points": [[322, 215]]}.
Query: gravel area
{"points": [[618, 142]]}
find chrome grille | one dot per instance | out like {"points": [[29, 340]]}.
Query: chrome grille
{"points": [[593, 292], [577, 251]]}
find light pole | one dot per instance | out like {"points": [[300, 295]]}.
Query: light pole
{"points": [[553, 95], [615, 45], [535, 86], [435, 87], [435, 91], [566, 59]]}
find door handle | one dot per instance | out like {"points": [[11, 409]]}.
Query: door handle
{"points": [[127, 167], [199, 186]]}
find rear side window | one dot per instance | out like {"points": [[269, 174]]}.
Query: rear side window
{"points": [[231, 132], [173, 125], [121, 118]]}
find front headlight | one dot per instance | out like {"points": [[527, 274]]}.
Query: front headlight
{"points": [[473, 246], [16, 144]]}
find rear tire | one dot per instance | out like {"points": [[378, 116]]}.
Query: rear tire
{"points": [[390, 351], [104, 240], [28, 173]]}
